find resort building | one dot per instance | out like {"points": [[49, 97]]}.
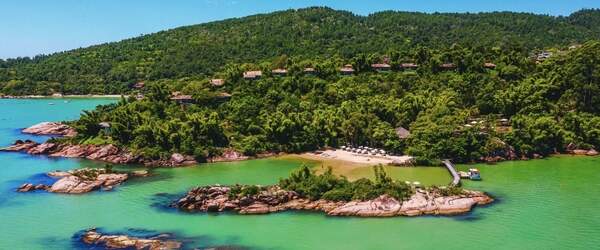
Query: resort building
{"points": [[252, 75], [409, 66], [381, 67], [310, 71], [347, 70], [489, 65], [217, 82], [279, 72], [139, 85], [224, 96], [181, 99], [448, 66]]}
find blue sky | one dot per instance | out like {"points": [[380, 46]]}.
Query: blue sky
{"points": [[31, 27]]}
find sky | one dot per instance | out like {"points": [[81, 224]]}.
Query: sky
{"points": [[32, 27]]}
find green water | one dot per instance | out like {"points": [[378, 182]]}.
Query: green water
{"points": [[543, 204]]}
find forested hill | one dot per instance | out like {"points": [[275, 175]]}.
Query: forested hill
{"points": [[199, 50]]}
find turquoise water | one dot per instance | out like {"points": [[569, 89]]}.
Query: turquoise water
{"points": [[543, 204]]}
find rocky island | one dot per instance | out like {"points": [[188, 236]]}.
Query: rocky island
{"points": [[92, 237], [275, 199], [81, 181]]}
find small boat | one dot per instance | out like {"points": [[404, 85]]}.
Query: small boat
{"points": [[474, 174], [51, 103]]}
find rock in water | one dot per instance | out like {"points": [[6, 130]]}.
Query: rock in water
{"points": [[51, 128], [161, 242], [79, 181], [274, 199]]}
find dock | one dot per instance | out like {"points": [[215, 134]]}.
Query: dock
{"points": [[453, 172]]}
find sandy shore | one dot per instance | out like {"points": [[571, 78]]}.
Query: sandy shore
{"points": [[360, 159]]}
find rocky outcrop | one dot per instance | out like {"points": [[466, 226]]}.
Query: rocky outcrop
{"points": [[107, 153], [274, 199], [229, 155], [51, 128], [118, 241], [79, 181]]}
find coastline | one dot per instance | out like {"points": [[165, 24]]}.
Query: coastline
{"points": [[60, 96]]}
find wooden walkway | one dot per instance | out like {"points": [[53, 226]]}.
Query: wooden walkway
{"points": [[452, 170]]}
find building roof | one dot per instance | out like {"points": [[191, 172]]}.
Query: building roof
{"points": [[402, 132], [139, 85], [409, 65], [448, 65], [489, 65], [252, 74], [380, 66], [279, 71], [182, 97], [224, 95], [217, 82], [347, 68]]}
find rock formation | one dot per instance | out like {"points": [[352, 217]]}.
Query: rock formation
{"points": [[51, 128], [160, 242], [79, 181], [107, 153], [273, 199]]}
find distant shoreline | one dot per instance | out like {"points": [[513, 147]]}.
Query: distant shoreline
{"points": [[58, 96]]}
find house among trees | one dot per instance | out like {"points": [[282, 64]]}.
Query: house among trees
{"points": [[279, 72], [448, 66], [402, 132], [309, 71], [224, 96], [105, 127], [489, 65], [347, 70], [381, 66], [409, 66], [217, 82], [252, 75], [139, 85], [543, 56], [181, 99]]}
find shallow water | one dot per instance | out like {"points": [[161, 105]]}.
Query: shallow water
{"points": [[543, 204]]}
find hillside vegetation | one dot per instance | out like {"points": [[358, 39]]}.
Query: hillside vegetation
{"points": [[195, 52], [549, 106]]}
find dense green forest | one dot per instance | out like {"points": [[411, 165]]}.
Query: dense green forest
{"points": [[455, 113], [314, 33], [494, 98]]}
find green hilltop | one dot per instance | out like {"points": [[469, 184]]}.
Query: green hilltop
{"points": [[318, 32]]}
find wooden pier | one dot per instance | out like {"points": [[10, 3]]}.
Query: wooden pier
{"points": [[453, 172]]}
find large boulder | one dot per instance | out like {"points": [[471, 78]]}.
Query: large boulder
{"points": [[161, 242], [50, 128]]}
